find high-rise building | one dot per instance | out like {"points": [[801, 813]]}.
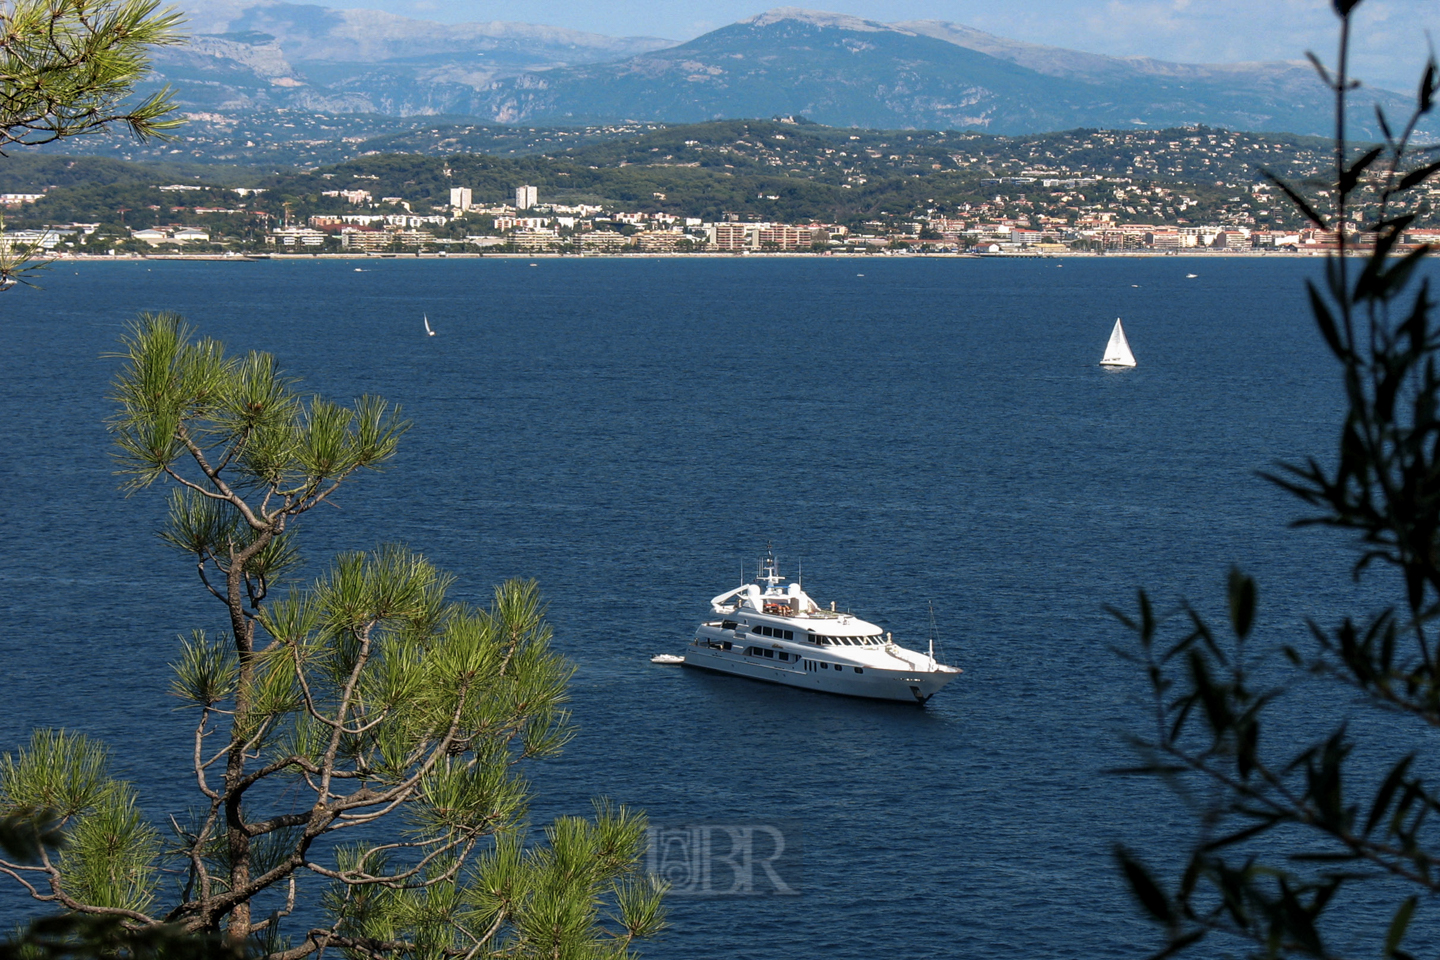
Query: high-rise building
{"points": [[460, 198], [524, 198]]}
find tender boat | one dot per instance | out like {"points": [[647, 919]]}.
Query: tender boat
{"points": [[766, 631]]}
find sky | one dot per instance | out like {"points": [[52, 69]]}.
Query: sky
{"points": [[1390, 48]]}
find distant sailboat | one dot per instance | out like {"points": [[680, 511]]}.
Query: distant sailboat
{"points": [[432, 332], [1117, 351], [1191, 276]]}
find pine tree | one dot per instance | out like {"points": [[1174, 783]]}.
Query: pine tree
{"points": [[403, 717], [70, 67]]}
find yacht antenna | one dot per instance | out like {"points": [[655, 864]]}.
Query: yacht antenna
{"points": [[770, 569], [932, 631], [800, 573]]}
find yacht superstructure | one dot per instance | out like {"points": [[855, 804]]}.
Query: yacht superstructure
{"points": [[773, 631]]}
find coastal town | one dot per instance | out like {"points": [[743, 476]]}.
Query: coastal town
{"points": [[733, 187], [528, 226], [643, 481]]}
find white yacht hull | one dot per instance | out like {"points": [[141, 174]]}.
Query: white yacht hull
{"points": [[911, 680]]}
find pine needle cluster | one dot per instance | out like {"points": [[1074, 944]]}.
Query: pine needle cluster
{"points": [[358, 742]]}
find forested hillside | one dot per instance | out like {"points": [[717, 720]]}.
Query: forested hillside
{"points": [[768, 170]]}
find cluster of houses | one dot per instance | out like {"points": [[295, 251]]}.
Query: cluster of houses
{"points": [[563, 229], [531, 227]]}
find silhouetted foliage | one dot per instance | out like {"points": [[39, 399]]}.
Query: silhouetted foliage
{"points": [[1286, 833]]}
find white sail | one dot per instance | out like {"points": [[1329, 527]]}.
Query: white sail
{"points": [[1117, 351], [432, 332]]}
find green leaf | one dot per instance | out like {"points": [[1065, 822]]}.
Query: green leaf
{"points": [[1399, 925], [110, 860], [1147, 618], [641, 906], [1387, 792], [1325, 77], [1180, 944], [1350, 176], [1295, 198], [206, 672], [59, 770], [1242, 603], [1418, 176], [1384, 124], [1144, 887]]}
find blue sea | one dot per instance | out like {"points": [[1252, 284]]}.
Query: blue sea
{"points": [[634, 432]]}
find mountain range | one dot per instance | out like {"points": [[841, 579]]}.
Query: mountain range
{"points": [[832, 69]]}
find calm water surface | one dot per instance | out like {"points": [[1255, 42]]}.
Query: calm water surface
{"points": [[631, 431]]}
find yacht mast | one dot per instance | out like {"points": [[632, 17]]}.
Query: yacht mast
{"points": [[932, 632]]}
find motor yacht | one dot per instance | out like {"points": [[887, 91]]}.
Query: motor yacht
{"points": [[773, 631]]}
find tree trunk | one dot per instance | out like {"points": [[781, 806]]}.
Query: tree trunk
{"points": [[243, 628]]}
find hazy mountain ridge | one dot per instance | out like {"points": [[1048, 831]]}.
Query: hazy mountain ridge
{"points": [[270, 55], [1286, 78], [835, 69], [845, 71], [308, 32], [836, 75]]}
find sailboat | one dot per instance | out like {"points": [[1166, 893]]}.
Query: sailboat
{"points": [[1117, 351], [432, 332]]}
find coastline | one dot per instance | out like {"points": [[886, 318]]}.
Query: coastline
{"points": [[551, 255]]}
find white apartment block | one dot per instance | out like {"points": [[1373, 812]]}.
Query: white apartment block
{"points": [[606, 240], [355, 197], [525, 223], [525, 197], [28, 239], [535, 239], [297, 237]]}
